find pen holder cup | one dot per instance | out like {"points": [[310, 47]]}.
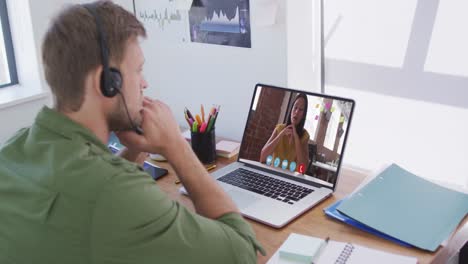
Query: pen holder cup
{"points": [[204, 146]]}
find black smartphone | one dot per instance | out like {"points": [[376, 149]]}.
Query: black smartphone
{"points": [[153, 170]]}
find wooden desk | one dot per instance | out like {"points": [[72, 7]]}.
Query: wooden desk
{"points": [[314, 222]]}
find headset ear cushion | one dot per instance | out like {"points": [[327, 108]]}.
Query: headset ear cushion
{"points": [[114, 82], [116, 79]]}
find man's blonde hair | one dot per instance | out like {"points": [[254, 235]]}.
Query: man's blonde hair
{"points": [[71, 48]]}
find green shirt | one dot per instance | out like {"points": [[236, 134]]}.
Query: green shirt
{"points": [[64, 198]]}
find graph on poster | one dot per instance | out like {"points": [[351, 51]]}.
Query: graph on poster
{"points": [[161, 19], [166, 20], [220, 22]]}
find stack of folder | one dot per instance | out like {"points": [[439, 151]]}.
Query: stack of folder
{"points": [[402, 207]]}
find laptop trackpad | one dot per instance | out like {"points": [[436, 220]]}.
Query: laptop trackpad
{"points": [[242, 199]]}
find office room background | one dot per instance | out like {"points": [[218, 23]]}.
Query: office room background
{"points": [[404, 62]]}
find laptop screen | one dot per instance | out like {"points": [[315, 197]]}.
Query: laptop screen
{"points": [[297, 133]]}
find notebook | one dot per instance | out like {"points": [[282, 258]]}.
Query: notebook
{"points": [[407, 207], [227, 149], [276, 190], [334, 252]]}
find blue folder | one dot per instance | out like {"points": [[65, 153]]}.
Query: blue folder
{"points": [[407, 207], [335, 214]]}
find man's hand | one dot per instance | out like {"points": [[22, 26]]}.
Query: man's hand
{"points": [[160, 129]]}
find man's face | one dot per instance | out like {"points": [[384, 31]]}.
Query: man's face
{"points": [[132, 89]]}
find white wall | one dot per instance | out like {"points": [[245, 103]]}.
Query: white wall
{"points": [[190, 74], [404, 63], [303, 31]]}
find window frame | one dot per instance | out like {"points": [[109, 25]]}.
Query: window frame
{"points": [[8, 42]]}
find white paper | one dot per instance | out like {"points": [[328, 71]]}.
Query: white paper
{"points": [[266, 12]]}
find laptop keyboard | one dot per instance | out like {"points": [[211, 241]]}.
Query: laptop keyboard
{"points": [[267, 186]]}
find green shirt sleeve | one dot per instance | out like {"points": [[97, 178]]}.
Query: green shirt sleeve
{"points": [[135, 222]]}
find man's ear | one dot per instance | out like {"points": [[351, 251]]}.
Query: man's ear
{"points": [[94, 80]]}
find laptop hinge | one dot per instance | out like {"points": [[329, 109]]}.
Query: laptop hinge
{"points": [[284, 175]]}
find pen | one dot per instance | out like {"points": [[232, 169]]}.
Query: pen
{"points": [[319, 252]]}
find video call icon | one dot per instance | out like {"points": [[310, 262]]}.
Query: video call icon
{"points": [[292, 166], [269, 159], [301, 169], [277, 162], [284, 164]]}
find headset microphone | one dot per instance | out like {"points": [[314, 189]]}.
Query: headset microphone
{"points": [[136, 128]]}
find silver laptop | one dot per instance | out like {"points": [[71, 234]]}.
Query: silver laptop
{"points": [[273, 182]]}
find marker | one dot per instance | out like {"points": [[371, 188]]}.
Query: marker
{"points": [[203, 127], [214, 119], [187, 119], [197, 117], [188, 113], [210, 125]]}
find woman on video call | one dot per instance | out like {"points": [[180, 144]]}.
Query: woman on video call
{"points": [[290, 141]]}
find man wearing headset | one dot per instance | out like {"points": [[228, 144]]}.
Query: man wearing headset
{"points": [[67, 199]]}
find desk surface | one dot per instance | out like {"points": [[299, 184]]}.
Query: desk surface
{"points": [[313, 222]]}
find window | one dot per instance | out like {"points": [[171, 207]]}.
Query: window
{"points": [[313, 116], [8, 74], [335, 115]]}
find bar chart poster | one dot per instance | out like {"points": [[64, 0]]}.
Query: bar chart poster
{"points": [[221, 22], [164, 20]]}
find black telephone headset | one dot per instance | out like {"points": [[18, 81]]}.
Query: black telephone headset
{"points": [[111, 78]]}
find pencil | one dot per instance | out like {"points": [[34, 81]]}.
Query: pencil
{"points": [[211, 167], [202, 113]]}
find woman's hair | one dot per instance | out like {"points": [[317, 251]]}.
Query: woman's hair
{"points": [[300, 125]]}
